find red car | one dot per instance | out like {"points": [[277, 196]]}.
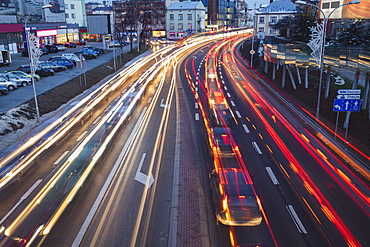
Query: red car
{"points": [[80, 42]]}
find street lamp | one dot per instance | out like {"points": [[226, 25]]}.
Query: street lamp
{"points": [[138, 29], [322, 43], [31, 57], [210, 19]]}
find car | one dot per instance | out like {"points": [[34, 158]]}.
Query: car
{"points": [[114, 43], [3, 89], [90, 50], [154, 41], [62, 61], [21, 81], [42, 48], [38, 70], [70, 45], [10, 85], [51, 48], [35, 77], [60, 47], [53, 66], [80, 42], [62, 57], [72, 57], [100, 50], [86, 54], [163, 41]]}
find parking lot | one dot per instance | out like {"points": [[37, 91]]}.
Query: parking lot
{"points": [[22, 94]]}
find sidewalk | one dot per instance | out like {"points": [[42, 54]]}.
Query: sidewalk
{"points": [[23, 94]]}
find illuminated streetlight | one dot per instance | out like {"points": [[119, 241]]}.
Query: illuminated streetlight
{"points": [[322, 43], [31, 55]]}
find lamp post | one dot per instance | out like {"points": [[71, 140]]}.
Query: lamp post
{"points": [[210, 19], [322, 43], [31, 57], [138, 29]]}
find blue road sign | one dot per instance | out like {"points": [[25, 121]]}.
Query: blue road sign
{"points": [[347, 105], [349, 91]]}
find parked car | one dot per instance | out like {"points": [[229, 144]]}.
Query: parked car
{"points": [[100, 50], [70, 45], [90, 50], [42, 48], [53, 66], [60, 47], [72, 57], [36, 77], [86, 54], [38, 70], [62, 61], [80, 42], [114, 43], [10, 85], [21, 81], [3, 89], [51, 48]]}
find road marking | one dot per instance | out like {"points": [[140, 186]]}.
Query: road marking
{"points": [[232, 103], [225, 88], [24, 197], [245, 128], [108, 181], [81, 136], [258, 150], [196, 105], [163, 105], [196, 116], [223, 82], [141, 177], [296, 219], [60, 158], [272, 175], [96, 120], [238, 114], [228, 95], [150, 99]]}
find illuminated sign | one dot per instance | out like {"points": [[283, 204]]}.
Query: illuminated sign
{"points": [[44, 33]]}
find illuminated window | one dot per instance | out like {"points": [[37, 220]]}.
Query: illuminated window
{"points": [[181, 26]]}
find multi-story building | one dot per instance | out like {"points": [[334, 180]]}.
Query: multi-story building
{"points": [[221, 13], [267, 18], [184, 19], [146, 16]]}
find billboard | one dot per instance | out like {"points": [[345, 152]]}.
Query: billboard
{"points": [[352, 11], [57, 12], [98, 24]]}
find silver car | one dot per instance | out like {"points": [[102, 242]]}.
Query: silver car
{"points": [[10, 85], [20, 81]]}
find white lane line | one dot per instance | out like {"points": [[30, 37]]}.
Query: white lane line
{"points": [[296, 219], [238, 114], [60, 158], [96, 120], [225, 88], [150, 99], [81, 136], [228, 95], [232, 103], [24, 197], [141, 177], [223, 82], [245, 128], [196, 116], [196, 89], [258, 150], [196, 105], [272, 175], [108, 181]]}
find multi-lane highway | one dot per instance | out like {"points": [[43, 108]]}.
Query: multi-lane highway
{"points": [[132, 163]]}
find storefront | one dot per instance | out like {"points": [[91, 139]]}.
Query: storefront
{"points": [[11, 37]]}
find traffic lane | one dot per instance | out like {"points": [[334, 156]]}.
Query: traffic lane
{"points": [[306, 159], [218, 234], [122, 216], [74, 216]]}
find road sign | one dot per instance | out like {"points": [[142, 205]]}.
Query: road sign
{"points": [[252, 52], [347, 105], [348, 96], [349, 91]]}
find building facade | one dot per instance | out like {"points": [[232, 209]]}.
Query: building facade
{"points": [[185, 19]]}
